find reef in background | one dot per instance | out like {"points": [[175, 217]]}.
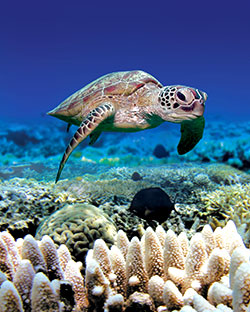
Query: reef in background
{"points": [[29, 150], [92, 200], [26, 204]]}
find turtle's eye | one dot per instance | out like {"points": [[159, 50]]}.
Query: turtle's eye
{"points": [[181, 96]]}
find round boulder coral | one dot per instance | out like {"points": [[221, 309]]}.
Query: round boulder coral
{"points": [[78, 226]]}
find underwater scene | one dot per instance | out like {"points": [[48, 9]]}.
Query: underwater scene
{"points": [[125, 157]]}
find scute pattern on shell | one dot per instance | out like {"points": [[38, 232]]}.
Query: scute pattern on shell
{"points": [[118, 83]]}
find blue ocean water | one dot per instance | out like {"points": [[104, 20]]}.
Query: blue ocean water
{"points": [[51, 49]]}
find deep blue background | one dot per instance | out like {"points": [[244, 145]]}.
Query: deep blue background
{"points": [[49, 49]]}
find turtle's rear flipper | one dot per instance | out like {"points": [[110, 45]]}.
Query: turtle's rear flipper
{"points": [[90, 123], [191, 133]]}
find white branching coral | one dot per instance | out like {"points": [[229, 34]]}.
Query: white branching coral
{"points": [[153, 254], [23, 281], [160, 272], [241, 290], [135, 269], [9, 298], [32, 279], [43, 295], [179, 274], [73, 275]]}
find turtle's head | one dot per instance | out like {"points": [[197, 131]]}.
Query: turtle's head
{"points": [[178, 103]]}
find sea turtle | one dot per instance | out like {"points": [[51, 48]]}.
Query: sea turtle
{"points": [[131, 101]]}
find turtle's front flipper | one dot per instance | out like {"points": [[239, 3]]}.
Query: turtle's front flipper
{"points": [[90, 123], [191, 133]]}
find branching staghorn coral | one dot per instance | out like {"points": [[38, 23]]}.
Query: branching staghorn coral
{"points": [[159, 272]]}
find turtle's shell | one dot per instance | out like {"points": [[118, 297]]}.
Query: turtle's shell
{"points": [[106, 87]]}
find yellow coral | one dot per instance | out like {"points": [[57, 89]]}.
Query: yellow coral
{"points": [[229, 202]]}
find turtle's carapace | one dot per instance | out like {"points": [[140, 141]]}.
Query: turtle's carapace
{"points": [[131, 101]]}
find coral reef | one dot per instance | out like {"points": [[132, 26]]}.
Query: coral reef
{"points": [[230, 147], [78, 226], [160, 272], [22, 143], [42, 278], [24, 203], [229, 202], [165, 272]]}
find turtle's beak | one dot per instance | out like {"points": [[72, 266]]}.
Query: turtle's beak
{"points": [[204, 95]]}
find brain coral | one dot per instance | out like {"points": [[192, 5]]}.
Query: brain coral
{"points": [[78, 226]]}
